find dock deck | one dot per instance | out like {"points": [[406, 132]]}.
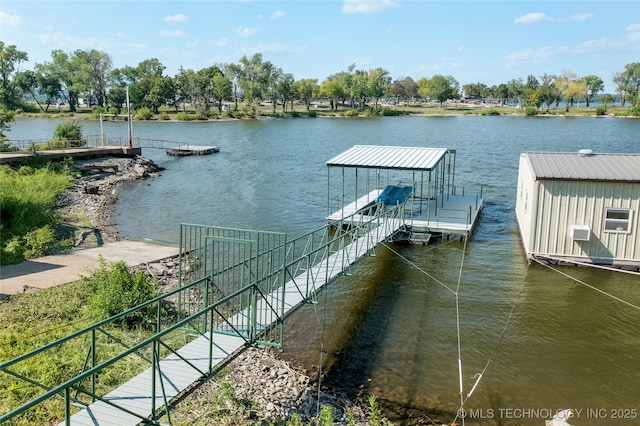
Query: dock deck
{"points": [[453, 214], [185, 150]]}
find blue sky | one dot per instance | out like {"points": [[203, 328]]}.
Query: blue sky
{"points": [[490, 42]]}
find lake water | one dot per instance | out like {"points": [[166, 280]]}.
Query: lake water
{"points": [[544, 341]]}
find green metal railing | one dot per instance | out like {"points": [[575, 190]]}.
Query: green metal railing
{"points": [[232, 281]]}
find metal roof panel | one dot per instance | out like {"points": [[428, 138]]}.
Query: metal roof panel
{"points": [[585, 166], [389, 157]]}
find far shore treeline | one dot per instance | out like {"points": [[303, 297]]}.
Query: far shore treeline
{"points": [[83, 79]]}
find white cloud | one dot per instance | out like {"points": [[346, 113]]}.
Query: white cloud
{"points": [[535, 56], [69, 43], [632, 34], [277, 15], [174, 34], [530, 18], [177, 18], [633, 27], [245, 32], [443, 66], [581, 16], [193, 44], [221, 42], [9, 20], [368, 6], [272, 48]]}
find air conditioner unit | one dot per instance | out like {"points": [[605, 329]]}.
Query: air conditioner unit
{"points": [[580, 232]]}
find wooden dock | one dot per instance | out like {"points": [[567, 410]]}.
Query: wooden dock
{"points": [[186, 150]]}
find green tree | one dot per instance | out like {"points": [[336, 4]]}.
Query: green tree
{"points": [[45, 89], [234, 73], [594, 84], [405, 89], [629, 83], [607, 98], [251, 77], [359, 89], [531, 92], [6, 118], [344, 80], [516, 90], [93, 72], [186, 87], [379, 84], [285, 89], [64, 69], [440, 88], [333, 91], [204, 85], [305, 89], [10, 58], [222, 89], [501, 92]]}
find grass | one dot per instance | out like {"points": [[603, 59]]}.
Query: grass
{"points": [[32, 320], [27, 196]]}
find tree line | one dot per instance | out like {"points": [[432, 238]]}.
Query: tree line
{"points": [[70, 77]]}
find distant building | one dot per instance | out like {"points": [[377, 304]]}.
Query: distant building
{"points": [[580, 207]]}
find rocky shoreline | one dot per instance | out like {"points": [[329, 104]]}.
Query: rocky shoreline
{"points": [[275, 389], [93, 195]]}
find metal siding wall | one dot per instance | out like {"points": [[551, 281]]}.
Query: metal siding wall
{"points": [[563, 203], [525, 202]]}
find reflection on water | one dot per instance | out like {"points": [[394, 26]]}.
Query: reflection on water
{"points": [[542, 340]]}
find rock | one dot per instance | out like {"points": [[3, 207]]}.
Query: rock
{"points": [[95, 192]]}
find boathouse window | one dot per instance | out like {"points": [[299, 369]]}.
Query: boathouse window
{"points": [[617, 220]]}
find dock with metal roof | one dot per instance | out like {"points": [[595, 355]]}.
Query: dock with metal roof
{"points": [[434, 207]]}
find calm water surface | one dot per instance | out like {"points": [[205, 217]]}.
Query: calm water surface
{"points": [[544, 341]]}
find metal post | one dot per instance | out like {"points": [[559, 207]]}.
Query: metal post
{"points": [[130, 125]]}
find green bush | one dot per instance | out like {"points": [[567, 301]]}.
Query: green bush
{"points": [[70, 132], [490, 111], [530, 111], [164, 116], [183, 116], [351, 113], [27, 196], [143, 114], [115, 289], [601, 110]]}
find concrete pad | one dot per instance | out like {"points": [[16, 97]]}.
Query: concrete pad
{"points": [[49, 271]]}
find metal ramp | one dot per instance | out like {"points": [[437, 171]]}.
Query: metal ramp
{"points": [[238, 286]]}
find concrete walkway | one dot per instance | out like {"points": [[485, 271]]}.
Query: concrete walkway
{"points": [[49, 271]]}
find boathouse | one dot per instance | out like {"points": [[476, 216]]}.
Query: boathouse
{"points": [[421, 178], [580, 207]]}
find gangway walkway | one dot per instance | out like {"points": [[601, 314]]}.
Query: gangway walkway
{"points": [[239, 285]]}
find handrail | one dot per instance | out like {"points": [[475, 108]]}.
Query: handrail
{"points": [[261, 275]]}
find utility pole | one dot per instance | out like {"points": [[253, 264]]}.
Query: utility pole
{"points": [[130, 124]]}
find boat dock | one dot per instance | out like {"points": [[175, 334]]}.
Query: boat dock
{"points": [[81, 153], [422, 179], [455, 215], [186, 150], [238, 286]]}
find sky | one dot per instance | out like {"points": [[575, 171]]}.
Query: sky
{"points": [[490, 42]]}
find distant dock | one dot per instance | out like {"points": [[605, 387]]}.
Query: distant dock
{"points": [[185, 150], [80, 153]]}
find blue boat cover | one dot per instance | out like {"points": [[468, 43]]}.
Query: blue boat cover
{"points": [[394, 195]]}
